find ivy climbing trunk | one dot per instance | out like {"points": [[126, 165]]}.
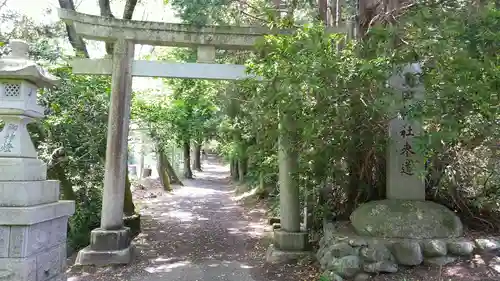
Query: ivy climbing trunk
{"points": [[197, 156], [188, 174]]}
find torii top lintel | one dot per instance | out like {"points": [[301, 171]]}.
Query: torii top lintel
{"points": [[167, 34]]}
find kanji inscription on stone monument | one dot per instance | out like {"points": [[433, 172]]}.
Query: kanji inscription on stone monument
{"points": [[404, 163]]}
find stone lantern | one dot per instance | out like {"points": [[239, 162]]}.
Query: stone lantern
{"points": [[33, 221], [20, 79]]}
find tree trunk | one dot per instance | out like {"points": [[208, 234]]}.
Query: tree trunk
{"points": [[128, 206], [174, 179], [197, 157], [234, 169], [57, 171], [162, 171], [131, 219], [323, 11], [231, 168], [242, 168], [188, 174]]}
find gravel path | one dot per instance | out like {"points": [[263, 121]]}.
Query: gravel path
{"points": [[199, 232]]}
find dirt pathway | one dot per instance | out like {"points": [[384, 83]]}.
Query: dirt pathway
{"points": [[199, 232]]}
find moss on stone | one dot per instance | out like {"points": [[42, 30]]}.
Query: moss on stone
{"points": [[406, 219]]}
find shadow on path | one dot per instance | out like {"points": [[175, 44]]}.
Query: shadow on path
{"points": [[197, 233]]}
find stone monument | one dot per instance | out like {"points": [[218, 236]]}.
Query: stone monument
{"points": [[33, 222], [403, 229], [411, 216]]}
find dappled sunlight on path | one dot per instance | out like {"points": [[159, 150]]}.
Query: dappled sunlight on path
{"points": [[197, 232]]}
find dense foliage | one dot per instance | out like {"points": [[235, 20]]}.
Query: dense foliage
{"points": [[339, 100]]}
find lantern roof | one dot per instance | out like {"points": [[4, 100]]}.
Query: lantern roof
{"points": [[17, 65]]}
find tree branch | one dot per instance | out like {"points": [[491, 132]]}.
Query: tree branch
{"points": [[128, 11], [3, 4], [76, 40]]}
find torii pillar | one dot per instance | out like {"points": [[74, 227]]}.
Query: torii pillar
{"points": [[111, 243]]}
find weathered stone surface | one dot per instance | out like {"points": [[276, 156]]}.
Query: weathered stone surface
{"points": [[49, 263], [144, 68], [362, 276], [88, 256], [460, 248], [381, 266], [326, 259], [408, 219], [408, 253], [109, 240], [331, 276], [16, 269], [22, 169], [347, 266], [291, 241], [401, 183], [357, 242], [341, 249], [29, 240], [275, 255], [28, 193], [374, 253], [4, 241], [440, 261], [59, 230], [487, 245], [434, 248], [168, 34], [35, 214]]}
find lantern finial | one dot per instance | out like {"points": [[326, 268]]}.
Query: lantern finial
{"points": [[19, 48]]}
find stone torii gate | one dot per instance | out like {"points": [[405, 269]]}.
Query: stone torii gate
{"points": [[110, 244]]}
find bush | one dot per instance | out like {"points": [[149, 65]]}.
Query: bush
{"points": [[86, 218]]}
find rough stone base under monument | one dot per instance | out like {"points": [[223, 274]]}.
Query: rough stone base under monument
{"points": [[107, 247], [345, 254]]}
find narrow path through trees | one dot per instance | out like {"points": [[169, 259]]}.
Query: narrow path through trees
{"points": [[199, 232]]}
